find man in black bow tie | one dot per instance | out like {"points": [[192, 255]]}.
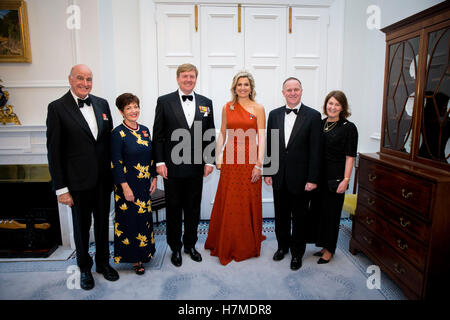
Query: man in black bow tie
{"points": [[78, 143], [298, 148], [183, 111]]}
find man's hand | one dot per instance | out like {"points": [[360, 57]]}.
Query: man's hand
{"points": [[268, 180], [207, 170], [66, 199], [310, 186], [162, 170]]}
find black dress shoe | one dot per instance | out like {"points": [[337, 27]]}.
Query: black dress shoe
{"points": [[176, 258], [279, 254], [296, 263], [108, 272], [195, 255], [86, 280]]}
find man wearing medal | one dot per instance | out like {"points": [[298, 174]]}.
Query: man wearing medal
{"points": [[183, 182]]}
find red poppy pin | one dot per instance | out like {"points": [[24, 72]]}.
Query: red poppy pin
{"points": [[105, 117], [145, 133]]}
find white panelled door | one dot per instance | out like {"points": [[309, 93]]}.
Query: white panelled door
{"points": [[178, 43], [264, 47], [265, 52], [307, 48]]}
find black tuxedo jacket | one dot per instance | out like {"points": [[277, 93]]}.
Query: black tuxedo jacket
{"points": [[299, 162], [169, 116], [77, 160]]}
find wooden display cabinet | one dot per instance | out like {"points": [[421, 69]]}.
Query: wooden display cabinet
{"points": [[402, 220]]}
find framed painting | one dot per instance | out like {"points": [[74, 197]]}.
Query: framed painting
{"points": [[14, 33]]}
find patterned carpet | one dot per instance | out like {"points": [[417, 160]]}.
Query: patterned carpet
{"points": [[344, 278]]}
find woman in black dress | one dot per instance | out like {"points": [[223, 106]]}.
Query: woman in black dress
{"points": [[134, 181], [340, 140]]}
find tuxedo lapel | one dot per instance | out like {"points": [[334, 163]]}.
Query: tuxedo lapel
{"points": [[74, 111], [98, 115], [297, 124], [198, 114], [280, 125], [177, 109]]}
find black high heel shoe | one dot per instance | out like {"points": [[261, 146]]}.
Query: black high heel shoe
{"points": [[139, 269], [323, 261], [318, 254]]}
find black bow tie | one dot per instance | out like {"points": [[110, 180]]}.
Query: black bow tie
{"points": [[82, 102], [289, 110], [189, 97]]}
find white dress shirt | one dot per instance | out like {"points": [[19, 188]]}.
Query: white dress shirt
{"points": [[188, 107], [89, 115], [289, 121]]}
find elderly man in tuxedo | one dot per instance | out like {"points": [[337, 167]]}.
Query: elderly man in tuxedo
{"points": [[78, 143], [181, 120], [298, 148]]}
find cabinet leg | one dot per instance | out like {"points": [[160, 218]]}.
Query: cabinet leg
{"points": [[352, 248]]}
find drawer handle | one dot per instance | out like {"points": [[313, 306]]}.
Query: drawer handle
{"points": [[370, 202], [372, 177], [403, 223], [406, 195], [369, 241], [398, 269], [369, 221], [403, 246]]}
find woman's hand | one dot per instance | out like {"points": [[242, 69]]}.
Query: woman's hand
{"points": [[256, 174], [342, 186], [219, 162], [153, 186], [127, 192]]}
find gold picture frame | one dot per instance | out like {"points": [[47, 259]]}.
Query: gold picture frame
{"points": [[14, 32]]}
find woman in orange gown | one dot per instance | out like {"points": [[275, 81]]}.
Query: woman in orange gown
{"points": [[235, 228]]}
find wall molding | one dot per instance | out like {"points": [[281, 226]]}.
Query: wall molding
{"points": [[37, 84]]}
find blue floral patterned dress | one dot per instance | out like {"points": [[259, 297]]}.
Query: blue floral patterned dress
{"points": [[131, 162]]}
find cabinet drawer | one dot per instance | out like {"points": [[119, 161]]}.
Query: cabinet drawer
{"points": [[411, 249], [399, 268], [398, 217], [401, 188]]}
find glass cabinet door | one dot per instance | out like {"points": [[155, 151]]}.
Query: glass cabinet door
{"points": [[403, 59], [435, 121]]}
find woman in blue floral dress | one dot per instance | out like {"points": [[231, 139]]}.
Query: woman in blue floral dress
{"points": [[134, 181]]}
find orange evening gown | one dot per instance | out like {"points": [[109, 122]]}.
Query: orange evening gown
{"points": [[235, 228]]}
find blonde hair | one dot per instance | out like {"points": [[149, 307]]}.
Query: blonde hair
{"points": [[243, 74], [185, 68]]}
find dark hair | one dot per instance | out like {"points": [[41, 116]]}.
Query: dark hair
{"points": [[125, 99], [342, 99]]}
